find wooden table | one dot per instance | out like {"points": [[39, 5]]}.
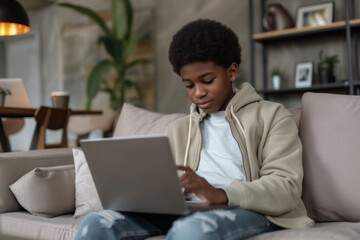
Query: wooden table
{"points": [[16, 112]]}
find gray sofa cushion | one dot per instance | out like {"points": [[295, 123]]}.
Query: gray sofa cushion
{"points": [[86, 197], [15, 164], [330, 131], [138, 121], [23, 225], [47, 191], [321, 231]]}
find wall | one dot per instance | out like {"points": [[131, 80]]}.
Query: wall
{"points": [[2, 59]]}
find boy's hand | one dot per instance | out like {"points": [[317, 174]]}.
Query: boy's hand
{"points": [[193, 183]]}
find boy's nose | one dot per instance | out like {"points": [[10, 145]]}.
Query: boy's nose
{"points": [[200, 92]]}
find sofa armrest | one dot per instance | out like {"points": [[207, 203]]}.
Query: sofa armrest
{"points": [[13, 165]]}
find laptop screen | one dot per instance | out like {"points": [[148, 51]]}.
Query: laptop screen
{"points": [[19, 96]]}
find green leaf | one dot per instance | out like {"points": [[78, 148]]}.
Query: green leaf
{"points": [[115, 102], [131, 84], [88, 105], [114, 47], [96, 77], [129, 46], [122, 18], [90, 13], [327, 60], [133, 63]]}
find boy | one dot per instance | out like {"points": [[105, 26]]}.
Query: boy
{"points": [[234, 148]]}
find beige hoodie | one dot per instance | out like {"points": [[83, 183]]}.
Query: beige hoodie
{"points": [[272, 156]]}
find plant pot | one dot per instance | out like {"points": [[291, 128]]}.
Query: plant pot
{"points": [[2, 100], [326, 74]]}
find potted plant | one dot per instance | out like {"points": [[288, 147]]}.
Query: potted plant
{"points": [[276, 78], [3, 93], [326, 67], [118, 43]]}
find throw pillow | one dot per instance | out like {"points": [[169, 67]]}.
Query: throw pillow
{"points": [[86, 197], [132, 121], [137, 121], [329, 131], [47, 191]]}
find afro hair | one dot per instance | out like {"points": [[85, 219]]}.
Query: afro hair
{"points": [[202, 41]]}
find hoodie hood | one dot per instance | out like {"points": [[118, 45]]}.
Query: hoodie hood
{"points": [[243, 96]]}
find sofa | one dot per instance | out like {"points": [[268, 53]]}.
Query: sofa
{"points": [[329, 128]]}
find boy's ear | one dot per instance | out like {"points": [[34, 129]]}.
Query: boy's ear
{"points": [[233, 71]]}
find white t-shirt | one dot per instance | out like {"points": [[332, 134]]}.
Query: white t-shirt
{"points": [[220, 159]]}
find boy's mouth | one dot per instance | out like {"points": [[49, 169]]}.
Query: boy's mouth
{"points": [[204, 105]]}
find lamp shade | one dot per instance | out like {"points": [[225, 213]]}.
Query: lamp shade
{"points": [[13, 18]]}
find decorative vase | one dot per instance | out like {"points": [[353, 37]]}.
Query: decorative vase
{"points": [[276, 82], [276, 18], [2, 100]]}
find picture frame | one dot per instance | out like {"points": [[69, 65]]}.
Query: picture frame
{"points": [[315, 15], [304, 74]]}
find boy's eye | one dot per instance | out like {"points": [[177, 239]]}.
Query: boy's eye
{"points": [[209, 81], [189, 86]]}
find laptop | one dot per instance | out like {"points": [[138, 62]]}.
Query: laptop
{"points": [[19, 96], [138, 174]]}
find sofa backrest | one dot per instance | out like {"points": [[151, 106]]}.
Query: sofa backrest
{"points": [[330, 131], [138, 121], [329, 127]]}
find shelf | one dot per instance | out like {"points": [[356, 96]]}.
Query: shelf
{"points": [[356, 83], [314, 88], [295, 32], [305, 35]]}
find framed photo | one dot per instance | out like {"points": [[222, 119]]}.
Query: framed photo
{"points": [[315, 15], [303, 74]]}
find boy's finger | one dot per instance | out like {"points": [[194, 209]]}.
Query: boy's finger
{"points": [[186, 192], [184, 168], [180, 167]]}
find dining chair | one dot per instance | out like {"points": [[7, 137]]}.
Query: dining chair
{"points": [[11, 126], [53, 119], [83, 125]]}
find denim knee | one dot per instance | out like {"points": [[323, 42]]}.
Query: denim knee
{"points": [[98, 225], [108, 224], [194, 227], [220, 224]]}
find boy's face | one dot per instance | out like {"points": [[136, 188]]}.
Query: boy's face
{"points": [[209, 85]]}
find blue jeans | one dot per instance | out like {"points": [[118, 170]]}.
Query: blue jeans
{"points": [[214, 224]]}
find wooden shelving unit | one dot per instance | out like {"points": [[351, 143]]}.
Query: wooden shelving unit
{"points": [[348, 28], [295, 32], [314, 88]]}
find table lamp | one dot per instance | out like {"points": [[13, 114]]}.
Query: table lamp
{"points": [[13, 18]]}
